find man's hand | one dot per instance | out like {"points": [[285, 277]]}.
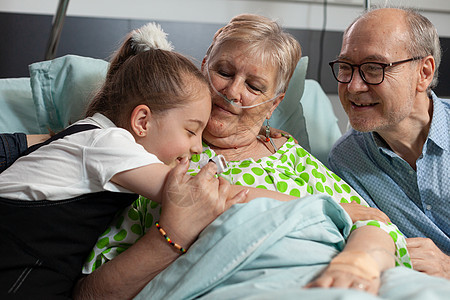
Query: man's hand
{"points": [[428, 258], [359, 212]]}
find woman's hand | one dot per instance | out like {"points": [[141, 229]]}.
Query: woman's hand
{"points": [[358, 212], [190, 203], [355, 271], [369, 251]]}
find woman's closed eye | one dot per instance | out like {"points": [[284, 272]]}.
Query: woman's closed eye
{"points": [[224, 74], [255, 89]]}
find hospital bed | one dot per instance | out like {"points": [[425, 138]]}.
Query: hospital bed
{"points": [[223, 260]]}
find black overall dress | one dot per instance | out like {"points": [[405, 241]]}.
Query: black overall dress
{"points": [[44, 244]]}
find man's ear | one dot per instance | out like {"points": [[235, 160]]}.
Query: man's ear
{"points": [[426, 73], [275, 104], [140, 120]]}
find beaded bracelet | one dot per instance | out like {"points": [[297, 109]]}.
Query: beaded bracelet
{"points": [[164, 234]]}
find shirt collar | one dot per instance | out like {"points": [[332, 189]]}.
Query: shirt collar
{"points": [[381, 144], [100, 120], [379, 141], [439, 125]]}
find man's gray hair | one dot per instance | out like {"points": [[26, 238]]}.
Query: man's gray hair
{"points": [[423, 37]]}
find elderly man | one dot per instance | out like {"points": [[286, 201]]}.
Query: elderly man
{"points": [[397, 156]]}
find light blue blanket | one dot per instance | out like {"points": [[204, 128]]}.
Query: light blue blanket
{"points": [[268, 250]]}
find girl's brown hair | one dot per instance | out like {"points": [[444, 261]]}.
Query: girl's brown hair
{"points": [[160, 79]]}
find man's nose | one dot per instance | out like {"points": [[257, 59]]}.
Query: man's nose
{"points": [[357, 84]]}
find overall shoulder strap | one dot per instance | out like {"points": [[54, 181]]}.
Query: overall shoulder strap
{"points": [[68, 131]]}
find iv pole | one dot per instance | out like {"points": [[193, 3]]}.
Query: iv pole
{"points": [[55, 34], [366, 4]]}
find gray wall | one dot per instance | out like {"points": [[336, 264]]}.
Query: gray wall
{"points": [[25, 36]]}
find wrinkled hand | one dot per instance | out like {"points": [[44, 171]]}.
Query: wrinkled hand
{"points": [[346, 276], [359, 212], [428, 258], [190, 203]]}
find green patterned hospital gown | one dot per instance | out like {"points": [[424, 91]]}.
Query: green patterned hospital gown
{"points": [[291, 170]]}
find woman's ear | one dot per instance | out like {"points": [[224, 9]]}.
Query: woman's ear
{"points": [[275, 104], [203, 64], [140, 120], [426, 73]]}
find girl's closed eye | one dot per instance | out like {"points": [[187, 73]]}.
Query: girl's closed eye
{"points": [[194, 127], [191, 132]]}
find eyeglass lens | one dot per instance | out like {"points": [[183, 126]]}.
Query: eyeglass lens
{"points": [[371, 73]]}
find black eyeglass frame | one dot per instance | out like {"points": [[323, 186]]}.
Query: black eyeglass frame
{"points": [[383, 66]]}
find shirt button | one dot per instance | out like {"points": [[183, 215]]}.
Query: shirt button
{"points": [[428, 207], [411, 172]]}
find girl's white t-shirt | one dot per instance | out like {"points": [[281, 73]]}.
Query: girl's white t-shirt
{"points": [[77, 164]]}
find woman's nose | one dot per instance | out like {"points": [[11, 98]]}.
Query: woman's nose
{"points": [[233, 90]]}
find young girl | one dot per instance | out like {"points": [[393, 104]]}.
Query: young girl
{"points": [[57, 199]]}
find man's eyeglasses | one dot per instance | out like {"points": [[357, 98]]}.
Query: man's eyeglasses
{"points": [[371, 72]]}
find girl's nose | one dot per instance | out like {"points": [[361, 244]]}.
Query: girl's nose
{"points": [[197, 147]]}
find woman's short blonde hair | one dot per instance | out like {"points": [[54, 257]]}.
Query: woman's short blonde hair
{"points": [[263, 37]]}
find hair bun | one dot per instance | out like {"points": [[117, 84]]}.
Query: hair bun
{"points": [[150, 36]]}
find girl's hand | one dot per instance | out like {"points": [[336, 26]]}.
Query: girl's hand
{"points": [[190, 203], [358, 212]]}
